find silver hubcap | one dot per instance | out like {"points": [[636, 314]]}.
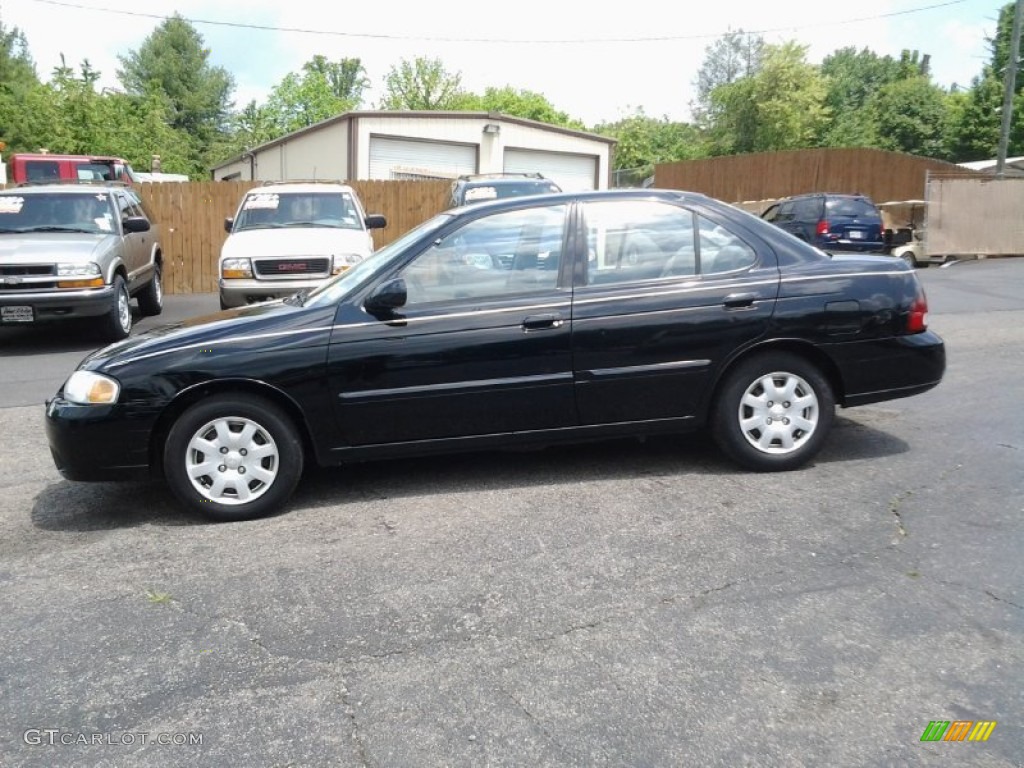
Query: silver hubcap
{"points": [[778, 413], [232, 460], [124, 312], [158, 289]]}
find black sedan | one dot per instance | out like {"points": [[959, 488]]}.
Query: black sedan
{"points": [[526, 321]]}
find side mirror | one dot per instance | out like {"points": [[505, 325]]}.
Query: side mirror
{"points": [[135, 224], [228, 224], [386, 297], [375, 221]]}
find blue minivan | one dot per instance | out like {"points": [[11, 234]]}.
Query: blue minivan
{"points": [[832, 222]]}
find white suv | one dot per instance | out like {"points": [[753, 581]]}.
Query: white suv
{"points": [[290, 236]]}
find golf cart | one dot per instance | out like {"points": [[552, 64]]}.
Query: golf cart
{"points": [[903, 221]]}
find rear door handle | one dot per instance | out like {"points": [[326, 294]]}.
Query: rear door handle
{"points": [[540, 322], [736, 300]]}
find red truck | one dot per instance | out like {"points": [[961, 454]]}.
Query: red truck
{"points": [[44, 167]]}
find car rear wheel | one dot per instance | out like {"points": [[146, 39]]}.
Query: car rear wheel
{"points": [[151, 299], [233, 457], [773, 412], [116, 323], [908, 257]]}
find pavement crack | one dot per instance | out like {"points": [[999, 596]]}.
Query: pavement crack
{"points": [[350, 713], [997, 598], [894, 508]]}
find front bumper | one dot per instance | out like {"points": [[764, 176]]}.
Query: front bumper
{"points": [[99, 442], [239, 293], [58, 305]]}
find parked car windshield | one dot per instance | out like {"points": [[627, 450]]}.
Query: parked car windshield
{"points": [[57, 212], [332, 290], [852, 207], [272, 210]]}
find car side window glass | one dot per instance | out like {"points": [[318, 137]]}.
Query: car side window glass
{"points": [[785, 212], [137, 205], [641, 240], [125, 206], [494, 256], [721, 250], [808, 210]]}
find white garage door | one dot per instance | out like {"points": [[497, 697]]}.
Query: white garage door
{"points": [[573, 173], [408, 159]]}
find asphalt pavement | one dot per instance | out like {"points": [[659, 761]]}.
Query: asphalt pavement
{"points": [[626, 603]]}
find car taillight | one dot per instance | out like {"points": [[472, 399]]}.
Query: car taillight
{"points": [[917, 320], [822, 228]]}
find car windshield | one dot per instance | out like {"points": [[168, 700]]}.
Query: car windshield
{"points": [[332, 290], [56, 212], [272, 210]]}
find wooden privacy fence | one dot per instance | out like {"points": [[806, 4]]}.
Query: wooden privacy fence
{"points": [[766, 176], [191, 219]]}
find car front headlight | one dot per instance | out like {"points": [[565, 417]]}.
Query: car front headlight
{"points": [[342, 261], [91, 269], [89, 388], [236, 268]]}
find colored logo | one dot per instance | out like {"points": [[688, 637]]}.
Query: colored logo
{"points": [[958, 730]]}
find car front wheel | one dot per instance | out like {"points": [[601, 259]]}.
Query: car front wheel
{"points": [[773, 412], [116, 323], [233, 457], [151, 300]]}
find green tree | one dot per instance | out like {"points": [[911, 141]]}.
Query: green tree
{"points": [[782, 106], [853, 78], [517, 103], [173, 61], [346, 78], [422, 83], [975, 135], [910, 115], [323, 89], [733, 56], [17, 80], [644, 141]]}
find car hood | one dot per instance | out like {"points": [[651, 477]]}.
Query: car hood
{"points": [[270, 318], [51, 247], [296, 241]]}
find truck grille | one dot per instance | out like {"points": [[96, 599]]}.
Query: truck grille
{"points": [[22, 270], [290, 268]]}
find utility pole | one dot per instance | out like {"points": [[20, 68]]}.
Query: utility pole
{"points": [[1011, 85]]}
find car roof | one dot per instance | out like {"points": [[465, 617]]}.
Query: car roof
{"points": [[84, 188], [555, 198]]}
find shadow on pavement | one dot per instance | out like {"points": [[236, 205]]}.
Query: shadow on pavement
{"points": [[66, 506]]}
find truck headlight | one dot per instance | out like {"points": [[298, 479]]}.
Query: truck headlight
{"points": [[89, 388], [236, 268], [342, 261], [91, 269]]}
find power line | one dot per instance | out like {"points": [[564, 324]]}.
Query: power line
{"points": [[491, 40]]}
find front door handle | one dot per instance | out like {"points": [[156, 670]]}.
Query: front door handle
{"points": [[540, 322], [738, 300]]}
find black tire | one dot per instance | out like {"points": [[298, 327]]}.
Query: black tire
{"points": [[223, 306], [908, 257], [272, 428], [771, 454], [151, 299], [116, 323]]}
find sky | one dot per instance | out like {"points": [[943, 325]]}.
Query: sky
{"points": [[596, 65]]}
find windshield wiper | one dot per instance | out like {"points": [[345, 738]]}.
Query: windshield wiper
{"points": [[60, 229]]}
